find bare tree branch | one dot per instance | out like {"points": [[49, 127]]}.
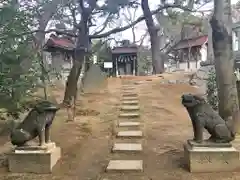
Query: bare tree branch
{"points": [[141, 18], [35, 31], [73, 13], [104, 25], [143, 38], [113, 31], [131, 18]]}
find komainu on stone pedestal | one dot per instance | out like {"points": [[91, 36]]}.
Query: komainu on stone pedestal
{"points": [[203, 116], [200, 158], [36, 124], [215, 154], [34, 158]]}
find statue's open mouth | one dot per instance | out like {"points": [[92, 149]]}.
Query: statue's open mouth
{"points": [[184, 101], [187, 100]]}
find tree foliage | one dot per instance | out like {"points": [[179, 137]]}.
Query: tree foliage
{"points": [[16, 83], [212, 94]]}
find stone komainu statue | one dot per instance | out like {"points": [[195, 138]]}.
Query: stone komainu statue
{"points": [[37, 123], [203, 116]]}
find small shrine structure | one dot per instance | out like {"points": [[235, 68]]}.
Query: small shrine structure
{"points": [[124, 59], [62, 51]]}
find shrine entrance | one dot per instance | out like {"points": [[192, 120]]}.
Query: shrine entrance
{"points": [[124, 61], [125, 65]]}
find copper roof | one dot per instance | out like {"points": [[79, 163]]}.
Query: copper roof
{"points": [[60, 43], [192, 42]]}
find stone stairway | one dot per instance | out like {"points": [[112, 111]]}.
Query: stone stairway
{"points": [[127, 147]]}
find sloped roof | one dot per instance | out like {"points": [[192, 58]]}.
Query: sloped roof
{"points": [[59, 43], [192, 42], [125, 49]]}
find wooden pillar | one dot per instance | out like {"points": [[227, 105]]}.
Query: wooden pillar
{"points": [[189, 58], [196, 55], [136, 65]]}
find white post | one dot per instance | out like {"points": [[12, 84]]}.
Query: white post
{"points": [[94, 59], [133, 66]]}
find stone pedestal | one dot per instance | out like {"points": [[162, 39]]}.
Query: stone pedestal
{"points": [[34, 159], [210, 159]]}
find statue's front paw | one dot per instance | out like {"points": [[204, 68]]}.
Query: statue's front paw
{"points": [[43, 144], [198, 140]]}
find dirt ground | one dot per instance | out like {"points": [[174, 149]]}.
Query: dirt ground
{"points": [[86, 143]]}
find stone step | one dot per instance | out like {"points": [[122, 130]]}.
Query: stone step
{"points": [[129, 98], [126, 94], [128, 87], [128, 90], [129, 128], [127, 147], [129, 124], [129, 115], [125, 166], [130, 108], [129, 155], [129, 134], [130, 102], [128, 140], [130, 95]]}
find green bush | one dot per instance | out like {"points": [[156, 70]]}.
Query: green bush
{"points": [[212, 95]]}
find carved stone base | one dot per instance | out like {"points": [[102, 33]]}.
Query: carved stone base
{"points": [[37, 159], [211, 159], [207, 143]]}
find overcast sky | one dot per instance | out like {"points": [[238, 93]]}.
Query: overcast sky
{"points": [[141, 27]]}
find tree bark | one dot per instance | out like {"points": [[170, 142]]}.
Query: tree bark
{"points": [[157, 61], [82, 48], [72, 80], [210, 54], [224, 62]]}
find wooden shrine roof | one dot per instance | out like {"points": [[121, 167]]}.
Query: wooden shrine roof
{"points": [[125, 49], [60, 43], [192, 42]]}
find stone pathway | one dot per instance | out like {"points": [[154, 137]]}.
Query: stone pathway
{"points": [[128, 131]]}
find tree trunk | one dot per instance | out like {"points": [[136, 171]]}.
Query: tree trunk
{"points": [[158, 64], [210, 54], [133, 34], [157, 61], [70, 96], [71, 84], [80, 52], [224, 62]]}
